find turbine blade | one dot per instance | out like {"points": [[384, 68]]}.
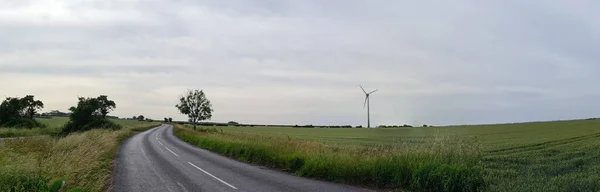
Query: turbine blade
{"points": [[373, 91], [362, 89], [365, 105]]}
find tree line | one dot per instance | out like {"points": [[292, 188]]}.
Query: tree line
{"points": [[19, 112], [90, 112]]}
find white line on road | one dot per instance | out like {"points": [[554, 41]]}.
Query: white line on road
{"points": [[172, 152], [160, 143], [213, 176]]}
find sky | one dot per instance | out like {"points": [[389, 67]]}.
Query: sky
{"points": [[301, 61]]}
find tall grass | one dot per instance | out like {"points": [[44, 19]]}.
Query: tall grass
{"points": [[442, 164], [84, 160]]}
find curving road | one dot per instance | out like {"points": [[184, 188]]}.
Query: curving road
{"points": [[156, 160]]}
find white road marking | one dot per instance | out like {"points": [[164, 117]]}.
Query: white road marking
{"points": [[172, 152], [160, 143], [213, 176]]}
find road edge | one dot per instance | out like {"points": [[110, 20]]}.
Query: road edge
{"points": [[109, 182]]}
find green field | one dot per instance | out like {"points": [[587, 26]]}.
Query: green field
{"points": [[545, 156]]}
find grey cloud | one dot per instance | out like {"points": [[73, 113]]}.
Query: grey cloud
{"points": [[298, 62]]}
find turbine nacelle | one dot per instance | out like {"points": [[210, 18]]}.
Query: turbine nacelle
{"points": [[367, 94]]}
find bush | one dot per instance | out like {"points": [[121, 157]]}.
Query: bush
{"points": [[71, 126], [22, 122], [19, 112], [90, 113]]}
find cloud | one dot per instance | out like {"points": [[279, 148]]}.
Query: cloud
{"points": [[300, 62]]}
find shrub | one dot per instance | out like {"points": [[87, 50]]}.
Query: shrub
{"points": [[71, 126], [19, 112], [90, 113], [22, 122]]}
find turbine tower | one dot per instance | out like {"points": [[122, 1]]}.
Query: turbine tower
{"points": [[367, 104]]}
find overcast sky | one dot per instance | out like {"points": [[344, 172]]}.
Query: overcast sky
{"points": [[300, 62]]}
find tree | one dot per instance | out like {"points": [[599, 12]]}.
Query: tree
{"points": [[31, 105], [89, 114], [170, 119], [195, 105], [166, 120], [134, 117], [140, 118], [11, 108], [19, 112], [105, 105]]}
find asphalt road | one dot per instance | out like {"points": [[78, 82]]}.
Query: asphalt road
{"points": [[156, 160]]}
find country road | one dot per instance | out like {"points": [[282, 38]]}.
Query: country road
{"points": [[156, 160]]}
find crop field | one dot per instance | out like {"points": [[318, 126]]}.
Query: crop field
{"points": [[544, 156]]}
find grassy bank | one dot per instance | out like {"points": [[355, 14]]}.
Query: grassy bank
{"points": [[83, 160], [444, 164], [542, 156]]}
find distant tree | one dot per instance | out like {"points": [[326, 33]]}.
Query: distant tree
{"points": [[195, 105], [11, 108], [166, 120], [89, 114], [105, 105], [424, 125], [170, 119], [140, 118], [19, 112], [134, 117], [233, 123], [31, 105]]}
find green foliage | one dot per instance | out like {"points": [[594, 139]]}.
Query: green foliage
{"points": [[11, 181], [90, 113], [140, 118], [195, 105], [105, 105], [19, 112], [57, 186], [18, 182]]}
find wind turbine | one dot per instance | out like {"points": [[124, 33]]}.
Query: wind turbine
{"points": [[367, 104]]}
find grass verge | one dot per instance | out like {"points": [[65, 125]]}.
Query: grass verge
{"points": [[444, 164], [84, 160]]}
